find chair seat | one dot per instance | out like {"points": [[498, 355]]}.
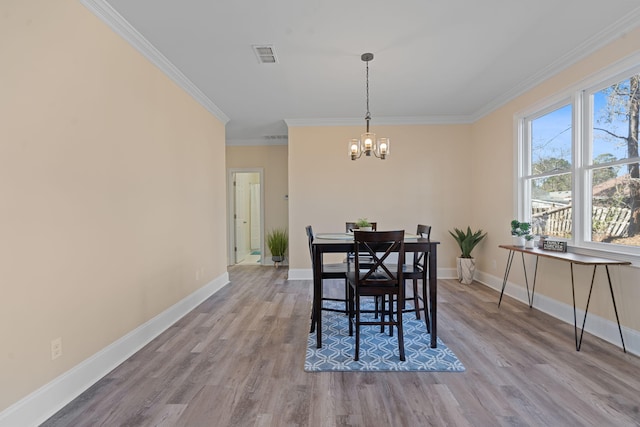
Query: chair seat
{"points": [[411, 269], [351, 276], [334, 271]]}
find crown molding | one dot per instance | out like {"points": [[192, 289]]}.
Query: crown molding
{"points": [[382, 121], [586, 48], [121, 26]]}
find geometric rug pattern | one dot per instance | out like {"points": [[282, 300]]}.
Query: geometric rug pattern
{"points": [[378, 351]]}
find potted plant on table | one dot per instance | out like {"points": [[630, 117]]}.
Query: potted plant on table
{"points": [[519, 232], [277, 242], [363, 224], [466, 264]]}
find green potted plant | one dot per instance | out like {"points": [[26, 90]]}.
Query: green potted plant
{"points": [[519, 232], [277, 242], [465, 263], [363, 224]]}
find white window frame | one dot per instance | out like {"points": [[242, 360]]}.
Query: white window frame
{"points": [[578, 95]]}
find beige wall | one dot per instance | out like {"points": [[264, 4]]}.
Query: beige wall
{"points": [[424, 180], [273, 160], [493, 150], [111, 191]]}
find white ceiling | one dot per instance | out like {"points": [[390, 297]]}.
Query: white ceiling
{"points": [[435, 60]]}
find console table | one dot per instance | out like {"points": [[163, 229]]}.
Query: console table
{"points": [[572, 259]]}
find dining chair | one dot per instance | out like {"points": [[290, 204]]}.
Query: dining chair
{"points": [[329, 271], [417, 270], [382, 278]]}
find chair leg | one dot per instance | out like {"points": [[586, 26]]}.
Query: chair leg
{"points": [[425, 301], [400, 334], [357, 355], [416, 304], [350, 312], [313, 320], [390, 312], [346, 296]]}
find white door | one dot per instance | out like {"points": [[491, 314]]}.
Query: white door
{"points": [[246, 215], [242, 218], [254, 202]]}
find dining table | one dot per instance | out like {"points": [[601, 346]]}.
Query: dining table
{"points": [[344, 243]]}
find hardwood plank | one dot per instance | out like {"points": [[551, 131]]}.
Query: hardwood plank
{"points": [[237, 360]]}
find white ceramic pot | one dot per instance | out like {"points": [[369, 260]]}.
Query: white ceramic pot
{"points": [[466, 268], [529, 244], [518, 240]]}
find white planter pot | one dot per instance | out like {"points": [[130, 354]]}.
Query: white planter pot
{"points": [[466, 268], [529, 244], [518, 240], [365, 229]]}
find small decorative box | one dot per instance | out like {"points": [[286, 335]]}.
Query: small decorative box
{"points": [[554, 245]]}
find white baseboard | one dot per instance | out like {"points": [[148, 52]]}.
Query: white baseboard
{"points": [[50, 398], [595, 325]]}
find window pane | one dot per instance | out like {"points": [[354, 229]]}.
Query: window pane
{"points": [[551, 139], [615, 121], [551, 206], [613, 201]]}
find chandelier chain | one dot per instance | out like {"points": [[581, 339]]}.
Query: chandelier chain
{"points": [[368, 115]]}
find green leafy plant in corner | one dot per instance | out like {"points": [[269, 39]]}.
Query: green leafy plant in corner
{"points": [[278, 241], [467, 240]]}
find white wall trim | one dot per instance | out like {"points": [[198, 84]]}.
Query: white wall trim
{"points": [[381, 121], [38, 406], [121, 26], [595, 325]]}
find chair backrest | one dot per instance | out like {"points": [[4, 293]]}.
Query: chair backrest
{"points": [[378, 245], [424, 231], [310, 237], [350, 226], [419, 259]]}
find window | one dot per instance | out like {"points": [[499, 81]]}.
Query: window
{"points": [[579, 166]]}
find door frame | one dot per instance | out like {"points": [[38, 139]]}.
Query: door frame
{"points": [[231, 208]]}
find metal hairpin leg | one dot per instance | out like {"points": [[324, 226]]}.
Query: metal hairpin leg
{"points": [[506, 275], [526, 279], [586, 310]]}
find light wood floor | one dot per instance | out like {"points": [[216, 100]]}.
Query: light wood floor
{"points": [[237, 360]]}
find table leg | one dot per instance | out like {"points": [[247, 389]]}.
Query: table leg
{"points": [[506, 275], [526, 280], [615, 309], [433, 295], [586, 310], [317, 295], [535, 276], [575, 319]]}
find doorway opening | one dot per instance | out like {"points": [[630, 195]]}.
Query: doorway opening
{"points": [[246, 213]]}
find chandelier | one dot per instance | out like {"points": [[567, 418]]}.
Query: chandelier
{"points": [[368, 143]]}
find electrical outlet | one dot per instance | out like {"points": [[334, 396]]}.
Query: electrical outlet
{"points": [[56, 348]]}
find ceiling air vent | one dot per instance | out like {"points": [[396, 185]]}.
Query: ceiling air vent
{"points": [[265, 53]]}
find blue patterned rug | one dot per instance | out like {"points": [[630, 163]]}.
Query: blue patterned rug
{"points": [[378, 352]]}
